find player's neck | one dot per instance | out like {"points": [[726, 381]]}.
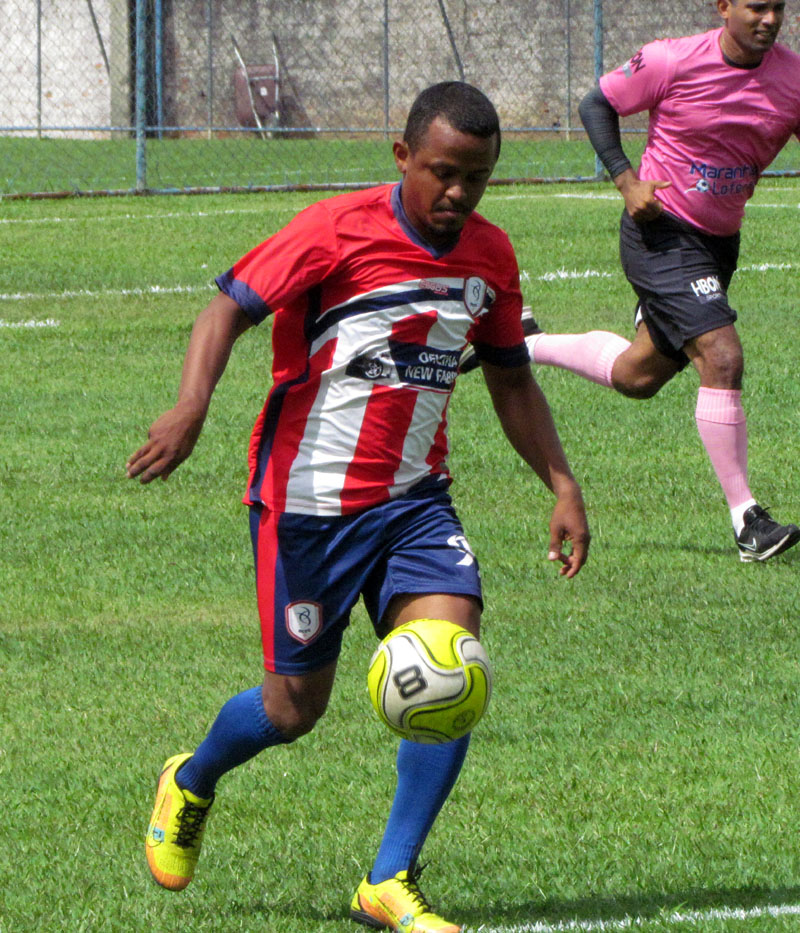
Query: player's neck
{"points": [[734, 54]]}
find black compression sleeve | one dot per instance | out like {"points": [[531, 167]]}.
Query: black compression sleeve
{"points": [[601, 123]]}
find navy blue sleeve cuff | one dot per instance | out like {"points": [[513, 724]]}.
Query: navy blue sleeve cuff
{"points": [[508, 357], [249, 301]]}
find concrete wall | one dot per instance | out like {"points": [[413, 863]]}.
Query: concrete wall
{"points": [[532, 60], [341, 61], [53, 70]]}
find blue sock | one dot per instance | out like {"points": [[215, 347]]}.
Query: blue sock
{"points": [[425, 776], [241, 730]]}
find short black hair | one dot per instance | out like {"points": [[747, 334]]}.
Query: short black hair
{"points": [[463, 106]]}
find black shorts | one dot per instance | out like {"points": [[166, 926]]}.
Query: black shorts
{"points": [[681, 276]]}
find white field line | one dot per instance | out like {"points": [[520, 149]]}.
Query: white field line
{"points": [[688, 918], [29, 325], [601, 196], [558, 275], [92, 218], [495, 196], [568, 274], [106, 293]]}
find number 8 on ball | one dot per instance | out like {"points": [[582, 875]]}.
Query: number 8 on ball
{"points": [[430, 681]]}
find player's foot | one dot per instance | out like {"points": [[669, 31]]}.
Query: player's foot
{"points": [[530, 328], [469, 359], [761, 537], [175, 833], [397, 904]]}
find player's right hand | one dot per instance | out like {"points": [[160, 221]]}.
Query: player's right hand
{"points": [[641, 201], [170, 441], [640, 195]]}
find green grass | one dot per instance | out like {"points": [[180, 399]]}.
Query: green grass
{"points": [[56, 165], [640, 757], [53, 165]]}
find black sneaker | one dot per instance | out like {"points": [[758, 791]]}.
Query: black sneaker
{"points": [[762, 538], [469, 359]]}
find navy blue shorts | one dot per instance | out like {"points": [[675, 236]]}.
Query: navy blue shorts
{"points": [[311, 570], [681, 276]]}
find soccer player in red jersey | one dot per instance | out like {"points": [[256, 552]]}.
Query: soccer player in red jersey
{"points": [[375, 295], [721, 105]]}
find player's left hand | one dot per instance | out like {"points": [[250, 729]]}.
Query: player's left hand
{"points": [[568, 524]]}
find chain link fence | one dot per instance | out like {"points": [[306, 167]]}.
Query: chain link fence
{"points": [[185, 95]]}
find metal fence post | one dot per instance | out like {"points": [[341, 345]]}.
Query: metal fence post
{"points": [[568, 17], [159, 65], [141, 95], [598, 65], [39, 68], [386, 68], [210, 66]]}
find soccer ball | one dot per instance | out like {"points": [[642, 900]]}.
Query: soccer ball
{"points": [[430, 681]]}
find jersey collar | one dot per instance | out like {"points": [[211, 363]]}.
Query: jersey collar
{"points": [[411, 232]]}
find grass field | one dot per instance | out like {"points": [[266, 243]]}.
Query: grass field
{"points": [[53, 165], [639, 765], [65, 165]]}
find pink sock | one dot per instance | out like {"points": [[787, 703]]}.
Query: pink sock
{"points": [[589, 355], [723, 430]]}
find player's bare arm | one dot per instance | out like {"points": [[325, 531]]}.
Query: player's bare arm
{"points": [[172, 437], [526, 420]]}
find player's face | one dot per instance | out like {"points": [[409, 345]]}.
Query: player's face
{"points": [[751, 28], [443, 179]]}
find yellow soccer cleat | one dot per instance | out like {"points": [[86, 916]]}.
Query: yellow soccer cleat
{"points": [[175, 833], [397, 904]]}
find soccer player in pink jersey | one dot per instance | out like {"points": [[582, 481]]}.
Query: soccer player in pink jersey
{"points": [[374, 294], [721, 106]]}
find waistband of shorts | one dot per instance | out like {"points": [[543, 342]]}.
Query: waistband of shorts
{"points": [[669, 221]]}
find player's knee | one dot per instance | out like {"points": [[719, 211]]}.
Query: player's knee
{"points": [[635, 377], [294, 715], [637, 386], [292, 722]]}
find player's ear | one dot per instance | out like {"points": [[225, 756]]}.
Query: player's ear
{"points": [[722, 8], [401, 154]]}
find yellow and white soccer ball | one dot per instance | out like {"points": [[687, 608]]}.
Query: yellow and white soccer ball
{"points": [[430, 681]]}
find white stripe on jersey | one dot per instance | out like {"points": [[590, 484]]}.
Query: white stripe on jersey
{"points": [[365, 356]]}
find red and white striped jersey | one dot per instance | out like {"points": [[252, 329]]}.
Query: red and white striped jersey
{"points": [[370, 322]]}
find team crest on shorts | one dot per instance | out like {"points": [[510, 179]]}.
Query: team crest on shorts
{"points": [[304, 621], [475, 291]]}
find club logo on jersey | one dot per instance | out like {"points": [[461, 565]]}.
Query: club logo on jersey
{"points": [[367, 367], [707, 289], [478, 297], [424, 367], [635, 64], [304, 621], [722, 180]]}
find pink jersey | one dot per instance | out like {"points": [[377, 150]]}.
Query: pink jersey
{"points": [[713, 128], [369, 326]]}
